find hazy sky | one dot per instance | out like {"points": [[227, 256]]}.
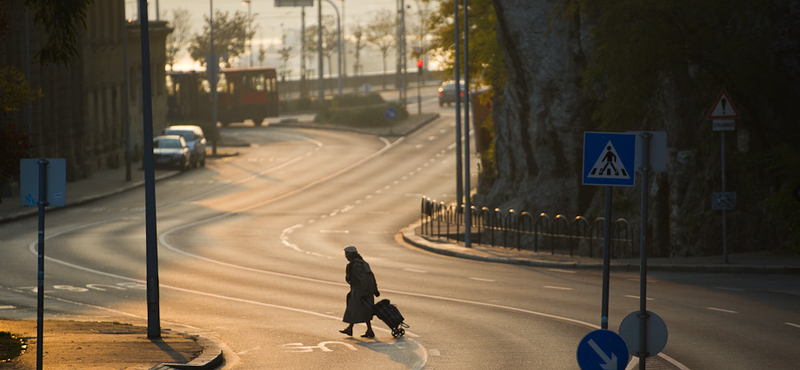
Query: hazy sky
{"points": [[271, 20]]}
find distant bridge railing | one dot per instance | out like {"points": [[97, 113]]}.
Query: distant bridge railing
{"points": [[525, 230]]}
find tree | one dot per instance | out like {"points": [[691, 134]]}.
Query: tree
{"points": [[486, 65], [180, 35], [60, 20], [230, 36], [485, 55], [329, 40], [286, 53], [358, 44], [381, 33], [656, 59], [262, 54]]}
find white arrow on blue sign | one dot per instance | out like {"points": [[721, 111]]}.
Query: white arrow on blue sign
{"points": [[609, 159], [390, 113], [602, 350]]}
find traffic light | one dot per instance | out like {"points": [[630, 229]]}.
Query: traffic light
{"points": [[419, 66]]}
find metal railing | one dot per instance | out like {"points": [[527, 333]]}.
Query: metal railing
{"points": [[527, 231]]}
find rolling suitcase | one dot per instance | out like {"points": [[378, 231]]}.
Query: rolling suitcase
{"points": [[390, 315]]}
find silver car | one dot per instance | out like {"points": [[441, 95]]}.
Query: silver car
{"points": [[447, 92], [171, 151], [195, 139]]}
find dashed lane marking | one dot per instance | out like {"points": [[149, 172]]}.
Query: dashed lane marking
{"points": [[481, 279], [720, 310], [556, 287]]}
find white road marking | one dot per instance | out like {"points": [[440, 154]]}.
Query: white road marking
{"points": [[480, 279], [720, 310], [417, 271], [434, 352], [790, 324], [564, 271], [637, 297], [7, 307], [334, 231], [556, 287]]}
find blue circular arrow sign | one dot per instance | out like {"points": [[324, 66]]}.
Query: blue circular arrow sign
{"points": [[390, 113], [602, 350]]}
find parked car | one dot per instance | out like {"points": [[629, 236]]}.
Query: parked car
{"points": [[447, 92], [195, 139], [171, 151]]}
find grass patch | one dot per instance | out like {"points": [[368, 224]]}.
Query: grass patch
{"points": [[10, 346]]}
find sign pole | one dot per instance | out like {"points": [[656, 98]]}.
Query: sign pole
{"points": [[606, 259], [40, 286], [724, 212], [645, 168]]}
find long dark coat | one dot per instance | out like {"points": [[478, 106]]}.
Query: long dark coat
{"points": [[362, 287]]}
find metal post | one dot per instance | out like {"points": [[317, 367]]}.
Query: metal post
{"points": [[643, 252], [457, 78], [320, 81], [153, 315], [606, 258], [213, 65], [302, 52], [126, 105], [338, 46], [724, 212], [40, 248], [467, 186], [419, 96]]}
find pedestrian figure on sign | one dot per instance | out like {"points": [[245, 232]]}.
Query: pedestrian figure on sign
{"points": [[610, 158], [363, 290]]}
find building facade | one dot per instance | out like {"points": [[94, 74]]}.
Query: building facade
{"points": [[81, 114]]}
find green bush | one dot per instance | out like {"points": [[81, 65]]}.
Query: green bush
{"points": [[368, 116], [345, 101]]}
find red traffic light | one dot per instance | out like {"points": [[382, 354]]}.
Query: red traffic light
{"points": [[419, 63]]}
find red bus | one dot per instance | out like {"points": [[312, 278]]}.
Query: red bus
{"points": [[242, 93]]}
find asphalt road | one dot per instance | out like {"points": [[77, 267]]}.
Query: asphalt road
{"points": [[251, 256]]}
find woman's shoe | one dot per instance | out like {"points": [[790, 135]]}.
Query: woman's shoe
{"points": [[368, 334], [348, 331]]}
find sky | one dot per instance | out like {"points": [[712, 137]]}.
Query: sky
{"points": [[273, 21]]}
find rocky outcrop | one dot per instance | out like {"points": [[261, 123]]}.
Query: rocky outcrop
{"points": [[540, 120], [541, 115]]}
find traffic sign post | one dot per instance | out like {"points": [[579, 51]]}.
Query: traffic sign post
{"points": [[43, 183], [651, 156], [602, 350], [723, 114], [643, 342], [607, 160]]}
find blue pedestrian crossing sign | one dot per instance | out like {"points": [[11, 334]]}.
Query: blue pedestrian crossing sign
{"points": [[603, 350], [609, 159]]}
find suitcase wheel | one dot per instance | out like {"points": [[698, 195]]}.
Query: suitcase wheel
{"points": [[398, 332]]}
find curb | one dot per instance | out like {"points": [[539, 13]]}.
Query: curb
{"points": [[356, 130], [211, 358], [452, 250]]}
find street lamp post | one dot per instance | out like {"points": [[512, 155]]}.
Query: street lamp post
{"points": [[249, 21], [338, 46]]}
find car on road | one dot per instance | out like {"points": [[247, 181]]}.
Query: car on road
{"points": [[171, 151], [195, 139], [447, 92]]}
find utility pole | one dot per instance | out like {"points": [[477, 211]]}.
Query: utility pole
{"points": [[320, 82]]}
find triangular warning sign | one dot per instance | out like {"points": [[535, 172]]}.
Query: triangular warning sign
{"points": [[723, 108], [608, 165]]}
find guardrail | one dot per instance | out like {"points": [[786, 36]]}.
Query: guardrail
{"points": [[525, 230]]}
